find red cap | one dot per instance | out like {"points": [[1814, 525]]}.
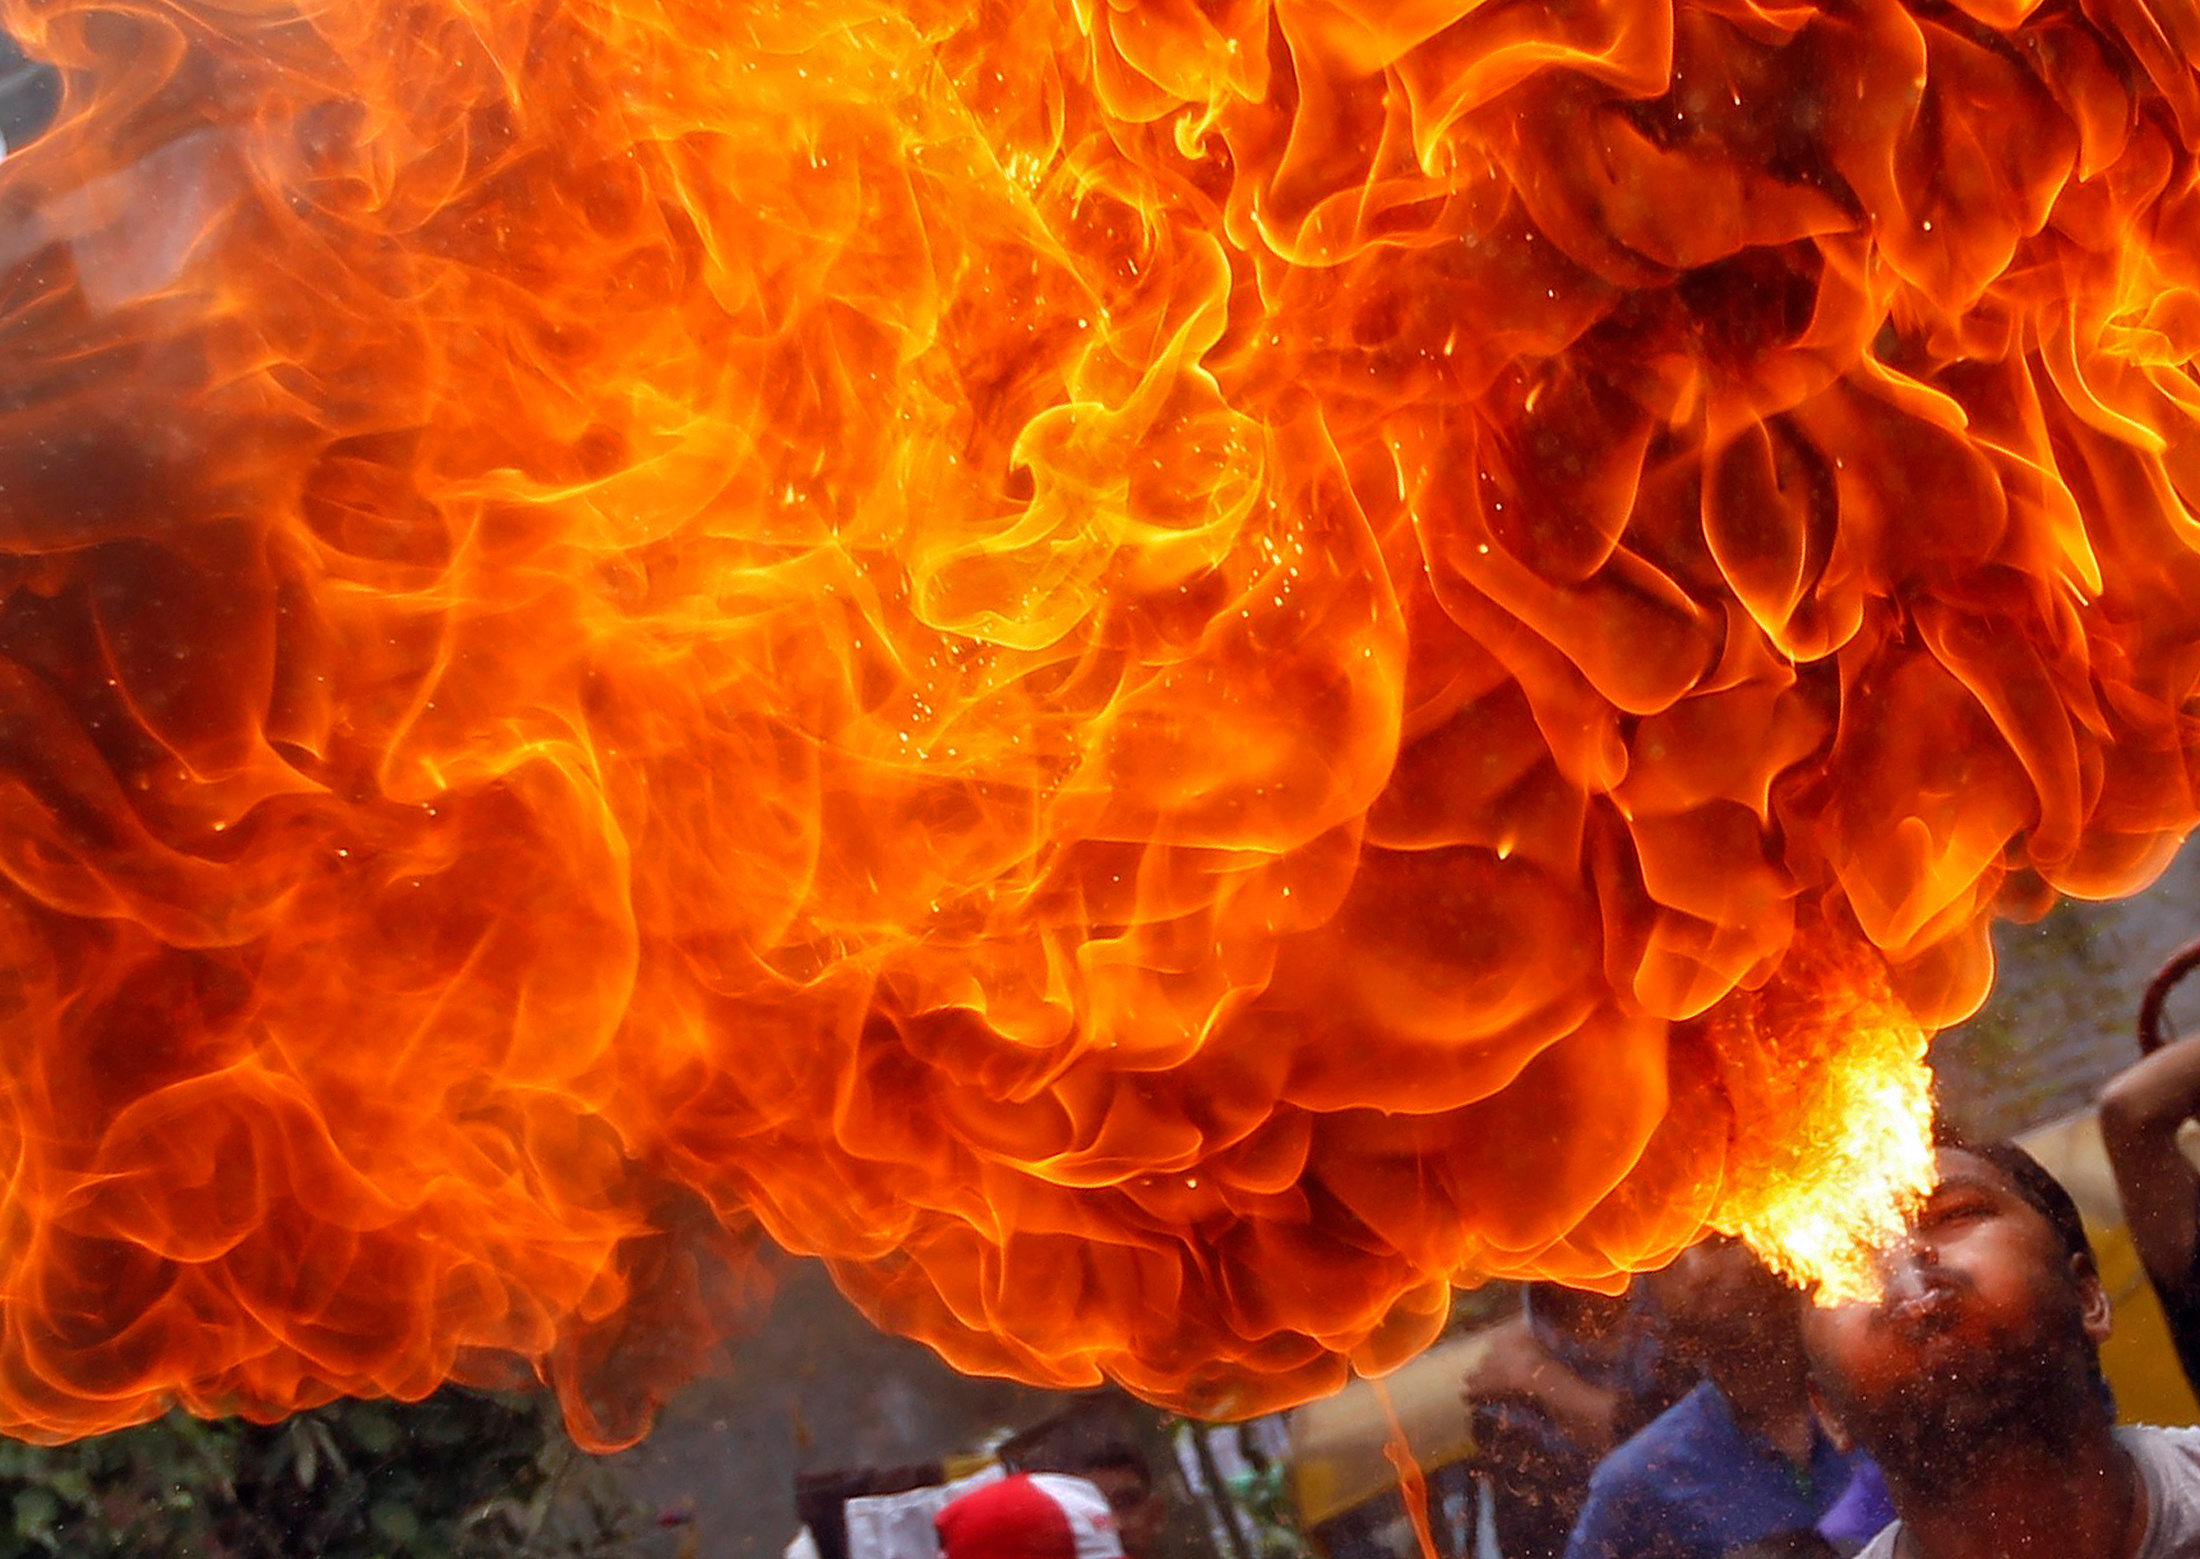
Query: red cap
{"points": [[1040, 1515]]}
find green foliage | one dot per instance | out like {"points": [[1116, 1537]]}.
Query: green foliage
{"points": [[1268, 1512], [462, 1475]]}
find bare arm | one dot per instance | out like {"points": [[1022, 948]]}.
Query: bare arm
{"points": [[2141, 1110], [1515, 1364], [1585, 1412]]}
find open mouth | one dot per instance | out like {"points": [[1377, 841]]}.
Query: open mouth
{"points": [[1919, 1309]]}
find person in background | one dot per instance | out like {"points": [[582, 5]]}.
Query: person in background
{"points": [[1120, 1471], [1551, 1392], [2141, 1112], [1974, 1381], [1739, 1459], [1031, 1515]]}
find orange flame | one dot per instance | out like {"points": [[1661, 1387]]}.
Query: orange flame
{"points": [[1164, 676], [1412, 1486]]}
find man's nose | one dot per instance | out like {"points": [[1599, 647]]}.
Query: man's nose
{"points": [[1914, 1248]]}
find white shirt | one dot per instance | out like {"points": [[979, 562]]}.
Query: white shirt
{"points": [[2169, 1481], [899, 1526]]}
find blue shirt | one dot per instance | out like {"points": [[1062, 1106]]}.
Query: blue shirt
{"points": [[1692, 1485]]}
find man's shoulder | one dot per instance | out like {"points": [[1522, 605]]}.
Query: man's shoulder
{"points": [[2172, 1454], [2178, 1435], [1673, 1435], [1632, 1504], [2169, 1462]]}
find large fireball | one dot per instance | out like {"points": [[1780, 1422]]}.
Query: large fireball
{"points": [[1162, 675]]}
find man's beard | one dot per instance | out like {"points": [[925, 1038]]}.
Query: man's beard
{"points": [[1937, 1429]]}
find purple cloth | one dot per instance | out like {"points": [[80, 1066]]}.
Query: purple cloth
{"points": [[1862, 1512]]}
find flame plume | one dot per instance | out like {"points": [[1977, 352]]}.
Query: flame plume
{"points": [[1163, 675]]}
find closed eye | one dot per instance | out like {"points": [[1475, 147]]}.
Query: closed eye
{"points": [[1941, 1212]]}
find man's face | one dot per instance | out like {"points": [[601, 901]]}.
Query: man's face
{"points": [[1717, 1297], [1138, 1515], [1982, 1307]]}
